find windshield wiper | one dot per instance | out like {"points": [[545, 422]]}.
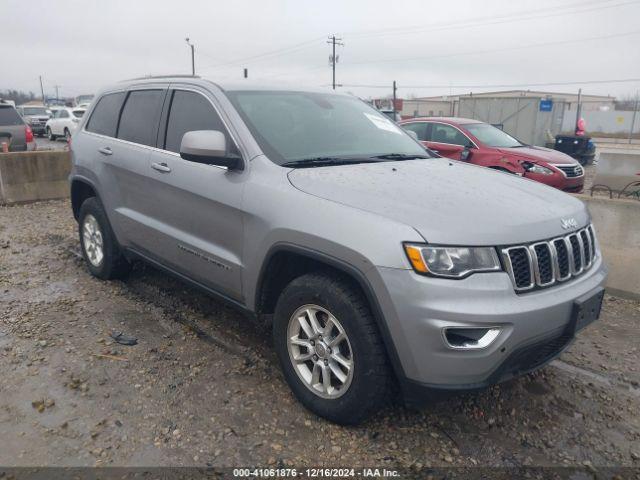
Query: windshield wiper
{"points": [[324, 161], [399, 156]]}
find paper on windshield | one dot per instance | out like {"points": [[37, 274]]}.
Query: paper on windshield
{"points": [[383, 123]]}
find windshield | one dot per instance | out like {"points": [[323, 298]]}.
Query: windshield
{"points": [[35, 111], [292, 126], [492, 136]]}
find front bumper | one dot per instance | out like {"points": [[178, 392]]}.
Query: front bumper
{"points": [[559, 181], [417, 309]]}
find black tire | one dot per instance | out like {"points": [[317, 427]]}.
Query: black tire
{"points": [[50, 135], [372, 378], [67, 135], [113, 263]]}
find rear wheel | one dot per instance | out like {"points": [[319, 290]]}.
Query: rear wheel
{"points": [[99, 246], [329, 348], [50, 134], [67, 135]]}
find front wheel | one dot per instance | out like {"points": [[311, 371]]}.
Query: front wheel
{"points": [[329, 348], [67, 135], [50, 135]]}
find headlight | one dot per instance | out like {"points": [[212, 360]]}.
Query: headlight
{"points": [[534, 168], [452, 262]]}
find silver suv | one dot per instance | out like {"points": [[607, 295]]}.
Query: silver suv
{"points": [[382, 268]]}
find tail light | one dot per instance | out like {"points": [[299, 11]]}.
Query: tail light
{"points": [[28, 133]]}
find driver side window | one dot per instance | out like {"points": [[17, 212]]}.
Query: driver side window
{"points": [[442, 133], [420, 129]]}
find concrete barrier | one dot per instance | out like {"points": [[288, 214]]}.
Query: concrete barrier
{"points": [[617, 224], [32, 176]]}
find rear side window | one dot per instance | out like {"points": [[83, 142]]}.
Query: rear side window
{"points": [[9, 116], [78, 113], [139, 120], [191, 111], [104, 119]]}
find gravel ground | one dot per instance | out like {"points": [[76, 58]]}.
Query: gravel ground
{"points": [[202, 386]]}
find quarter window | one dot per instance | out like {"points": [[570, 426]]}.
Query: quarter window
{"points": [[190, 111], [139, 119], [442, 133], [104, 119]]}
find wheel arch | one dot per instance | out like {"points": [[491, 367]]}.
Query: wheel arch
{"points": [[271, 281], [81, 189]]}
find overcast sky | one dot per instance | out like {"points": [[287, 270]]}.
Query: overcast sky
{"points": [[81, 45]]}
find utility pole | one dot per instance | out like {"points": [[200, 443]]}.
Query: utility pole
{"points": [[578, 109], [333, 41], [633, 118], [394, 100], [57, 93], [193, 57], [41, 89], [246, 73]]}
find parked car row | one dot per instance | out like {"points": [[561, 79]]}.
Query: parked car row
{"points": [[384, 268]]}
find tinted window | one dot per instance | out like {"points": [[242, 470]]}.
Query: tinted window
{"points": [[139, 120], [78, 113], [420, 128], [35, 111], [104, 119], [442, 133], [9, 116], [190, 111]]}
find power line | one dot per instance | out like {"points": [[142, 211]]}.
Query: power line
{"points": [[269, 54], [494, 20], [512, 85], [505, 49]]}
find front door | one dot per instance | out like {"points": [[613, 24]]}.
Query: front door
{"points": [[197, 208]]}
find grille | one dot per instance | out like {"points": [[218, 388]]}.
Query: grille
{"points": [[571, 170], [542, 264]]}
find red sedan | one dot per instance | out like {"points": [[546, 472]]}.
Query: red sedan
{"points": [[485, 145]]}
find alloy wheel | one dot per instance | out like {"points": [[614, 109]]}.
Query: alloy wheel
{"points": [[320, 351]]}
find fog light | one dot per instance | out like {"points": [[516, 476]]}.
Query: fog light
{"points": [[470, 338]]}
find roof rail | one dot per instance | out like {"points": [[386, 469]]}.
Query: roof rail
{"points": [[147, 77]]}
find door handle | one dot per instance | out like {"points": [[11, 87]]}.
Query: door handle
{"points": [[105, 151], [161, 167]]}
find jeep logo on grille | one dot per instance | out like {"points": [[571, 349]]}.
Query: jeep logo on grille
{"points": [[568, 223]]}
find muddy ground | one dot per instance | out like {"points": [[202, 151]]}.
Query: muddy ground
{"points": [[202, 385]]}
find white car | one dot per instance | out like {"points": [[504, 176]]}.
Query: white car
{"points": [[64, 122]]}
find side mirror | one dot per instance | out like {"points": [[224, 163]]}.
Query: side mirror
{"points": [[412, 134], [465, 154], [208, 147]]}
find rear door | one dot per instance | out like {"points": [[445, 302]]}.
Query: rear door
{"points": [[124, 126], [197, 221]]}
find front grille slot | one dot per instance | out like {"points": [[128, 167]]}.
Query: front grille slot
{"points": [[520, 261], [576, 250], [542, 264], [571, 171]]}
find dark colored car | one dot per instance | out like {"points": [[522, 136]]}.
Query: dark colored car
{"points": [[13, 130], [579, 147], [482, 144]]}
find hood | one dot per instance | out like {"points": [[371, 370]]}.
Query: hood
{"points": [[447, 202], [540, 153]]}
